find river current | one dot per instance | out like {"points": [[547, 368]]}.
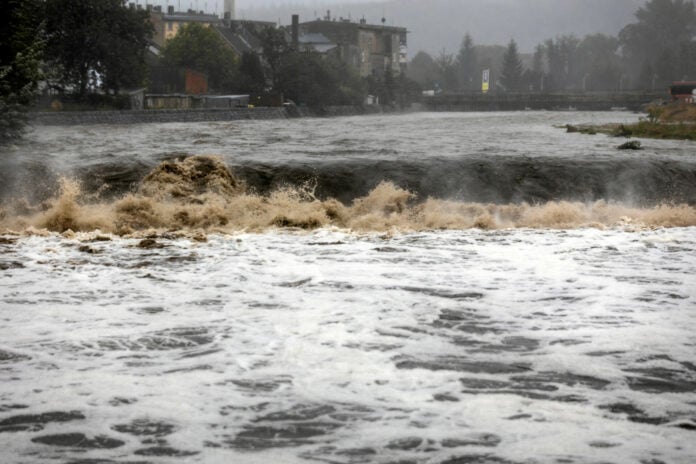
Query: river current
{"points": [[424, 288]]}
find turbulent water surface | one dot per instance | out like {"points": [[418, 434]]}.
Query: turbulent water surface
{"points": [[425, 288]]}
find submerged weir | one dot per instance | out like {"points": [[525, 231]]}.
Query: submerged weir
{"points": [[424, 288], [201, 193]]}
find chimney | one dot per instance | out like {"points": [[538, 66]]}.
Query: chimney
{"points": [[296, 32], [228, 9]]}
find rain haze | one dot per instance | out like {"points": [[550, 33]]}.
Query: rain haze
{"points": [[407, 231], [435, 25]]}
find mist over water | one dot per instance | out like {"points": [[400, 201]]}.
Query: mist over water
{"points": [[422, 288], [411, 172]]}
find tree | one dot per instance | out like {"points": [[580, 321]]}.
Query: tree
{"points": [[536, 77], [467, 64], [275, 47], [21, 47], [663, 29], [310, 79], [511, 74], [423, 70], [251, 75], [201, 48], [96, 44], [563, 73], [598, 62], [447, 71]]}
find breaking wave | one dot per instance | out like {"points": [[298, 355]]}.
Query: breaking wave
{"points": [[200, 193]]}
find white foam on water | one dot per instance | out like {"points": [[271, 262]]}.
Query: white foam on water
{"points": [[524, 345]]}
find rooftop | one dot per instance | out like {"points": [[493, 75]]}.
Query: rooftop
{"points": [[190, 17]]}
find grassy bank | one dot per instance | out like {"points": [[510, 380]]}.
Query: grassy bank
{"points": [[674, 121]]}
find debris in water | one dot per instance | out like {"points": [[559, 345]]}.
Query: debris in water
{"points": [[630, 145]]}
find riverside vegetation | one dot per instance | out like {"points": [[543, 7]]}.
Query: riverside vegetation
{"points": [[672, 121]]}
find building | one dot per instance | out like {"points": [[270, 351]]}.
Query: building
{"points": [[371, 49], [229, 10], [242, 35], [177, 80], [167, 24]]}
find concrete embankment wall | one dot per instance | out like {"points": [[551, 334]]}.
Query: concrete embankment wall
{"points": [[71, 118], [530, 101]]}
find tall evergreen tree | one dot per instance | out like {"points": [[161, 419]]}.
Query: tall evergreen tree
{"points": [[467, 64], [511, 73]]}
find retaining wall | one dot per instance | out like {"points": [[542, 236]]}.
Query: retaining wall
{"points": [[72, 118]]}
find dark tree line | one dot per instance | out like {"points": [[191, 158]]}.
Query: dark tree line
{"points": [[304, 76], [72, 46], [649, 54], [21, 51], [96, 48], [95, 44]]}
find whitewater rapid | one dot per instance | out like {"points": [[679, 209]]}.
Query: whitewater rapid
{"points": [[211, 306], [510, 347]]}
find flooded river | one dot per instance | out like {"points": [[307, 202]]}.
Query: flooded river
{"points": [[422, 288]]}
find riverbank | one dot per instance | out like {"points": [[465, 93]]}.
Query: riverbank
{"points": [[674, 121], [75, 118]]}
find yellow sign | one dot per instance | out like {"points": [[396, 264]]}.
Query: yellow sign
{"points": [[486, 80]]}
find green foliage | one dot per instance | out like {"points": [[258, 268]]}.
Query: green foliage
{"points": [[511, 74], [96, 44], [21, 48], [654, 130], [660, 42], [447, 71], [307, 78], [251, 75], [407, 90], [275, 48], [561, 57], [423, 70], [202, 49], [598, 63], [467, 64], [654, 113]]}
